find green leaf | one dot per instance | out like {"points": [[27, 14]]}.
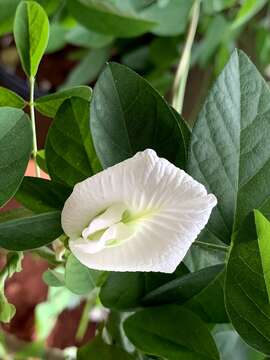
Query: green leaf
{"points": [[30, 232], [117, 292], [7, 11], [248, 9], [41, 160], [97, 350], [230, 149], [48, 105], [247, 283], [209, 302], [184, 288], [70, 155], [128, 115], [31, 33], [78, 278], [15, 150], [88, 68], [80, 36], [213, 6], [122, 291], [57, 38], [99, 16], [13, 264], [53, 278], [171, 16], [171, 332], [10, 98], [14, 214], [231, 346], [40, 195]]}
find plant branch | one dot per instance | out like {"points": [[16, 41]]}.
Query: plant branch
{"points": [[180, 81], [33, 122]]}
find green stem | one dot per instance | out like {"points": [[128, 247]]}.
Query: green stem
{"points": [[211, 246], [84, 321], [181, 76], [33, 122]]}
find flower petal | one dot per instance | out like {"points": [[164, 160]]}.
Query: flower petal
{"points": [[180, 208]]}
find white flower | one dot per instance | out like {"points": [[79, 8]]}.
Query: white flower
{"points": [[140, 215]]}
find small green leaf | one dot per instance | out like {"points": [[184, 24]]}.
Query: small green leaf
{"points": [[247, 282], [98, 350], [88, 68], [248, 9], [48, 105], [30, 232], [41, 160], [7, 310], [171, 332], [31, 32], [57, 38], [99, 16], [78, 278], [70, 154], [15, 150], [40, 195], [10, 98], [53, 278], [128, 115]]}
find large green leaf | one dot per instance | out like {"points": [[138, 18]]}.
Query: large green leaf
{"points": [[184, 288], [15, 150], [30, 232], [40, 195], [49, 104], [31, 32], [10, 98], [128, 115], [78, 278], [98, 350], [230, 148], [171, 16], [247, 282], [70, 155], [171, 332], [125, 291], [99, 16]]}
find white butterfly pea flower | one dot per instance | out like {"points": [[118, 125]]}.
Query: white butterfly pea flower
{"points": [[142, 214]]}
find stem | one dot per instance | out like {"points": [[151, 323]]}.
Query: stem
{"points": [[180, 81], [33, 121], [84, 321], [211, 246]]}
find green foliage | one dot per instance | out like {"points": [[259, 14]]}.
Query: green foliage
{"points": [[226, 131], [248, 9], [48, 105], [40, 195], [10, 98], [15, 149], [128, 115], [30, 232], [78, 278], [172, 332], [80, 36], [70, 155], [13, 264], [31, 32], [247, 282], [97, 350], [104, 18]]}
